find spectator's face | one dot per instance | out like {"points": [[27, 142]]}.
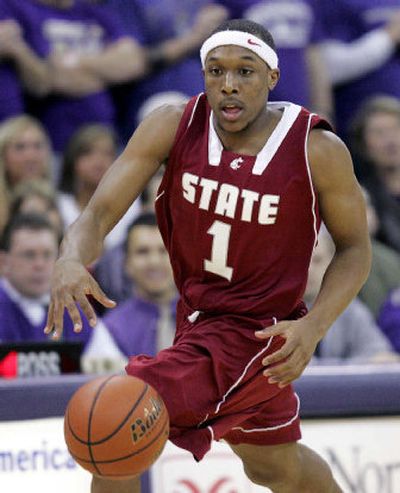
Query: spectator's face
{"points": [[91, 166], [27, 156], [29, 263], [148, 263], [382, 139]]}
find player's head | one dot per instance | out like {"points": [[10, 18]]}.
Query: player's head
{"points": [[240, 68], [147, 262], [30, 245]]}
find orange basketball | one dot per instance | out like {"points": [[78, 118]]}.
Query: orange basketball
{"points": [[116, 426]]}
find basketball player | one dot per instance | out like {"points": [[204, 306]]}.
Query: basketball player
{"points": [[245, 188]]}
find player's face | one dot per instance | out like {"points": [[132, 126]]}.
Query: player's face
{"points": [[29, 264], [237, 83], [148, 263]]}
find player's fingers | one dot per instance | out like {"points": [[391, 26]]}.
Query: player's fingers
{"points": [[87, 309], [73, 311], [100, 295], [58, 319], [50, 320], [273, 330], [280, 354], [286, 371]]}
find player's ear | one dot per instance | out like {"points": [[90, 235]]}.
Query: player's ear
{"points": [[273, 78]]}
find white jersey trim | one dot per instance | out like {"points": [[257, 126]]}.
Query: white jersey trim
{"points": [[290, 113], [194, 109], [314, 200]]}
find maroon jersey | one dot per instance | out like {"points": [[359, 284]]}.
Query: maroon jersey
{"points": [[239, 229]]}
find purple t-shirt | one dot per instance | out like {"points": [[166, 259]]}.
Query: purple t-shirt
{"points": [[11, 98], [152, 22], [15, 327], [347, 20], [83, 28], [294, 25], [133, 326], [389, 318]]}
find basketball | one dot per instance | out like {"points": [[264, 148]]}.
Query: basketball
{"points": [[116, 426]]}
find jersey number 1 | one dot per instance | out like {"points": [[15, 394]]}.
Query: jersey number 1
{"points": [[219, 250]]}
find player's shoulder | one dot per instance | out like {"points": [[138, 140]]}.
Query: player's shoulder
{"points": [[324, 146]]}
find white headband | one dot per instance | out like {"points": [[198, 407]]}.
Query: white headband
{"points": [[239, 38]]}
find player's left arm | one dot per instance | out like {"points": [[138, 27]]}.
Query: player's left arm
{"points": [[342, 209]]}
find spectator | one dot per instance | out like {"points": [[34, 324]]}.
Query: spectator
{"points": [[361, 52], [25, 154], [385, 268], [30, 245], [11, 95], [88, 155], [67, 55], [39, 197], [375, 144], [296, 29], [389, 318], [172, 31], [151, 307], [354, 337]]}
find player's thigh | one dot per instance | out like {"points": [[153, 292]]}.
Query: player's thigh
{"points": [[265, 464]]}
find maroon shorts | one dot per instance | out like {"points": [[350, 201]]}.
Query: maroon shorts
{"points": [[212, 383]]}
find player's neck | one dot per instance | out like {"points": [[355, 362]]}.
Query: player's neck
{"points": [[251, 139]]}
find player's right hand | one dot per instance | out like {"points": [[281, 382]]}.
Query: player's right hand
{"points": [[71, 284]]}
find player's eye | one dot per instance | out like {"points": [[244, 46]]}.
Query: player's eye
{"points": [[214, 71], [245, 71]]}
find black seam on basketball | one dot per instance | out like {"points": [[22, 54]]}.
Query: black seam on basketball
{"points": [[110, 461], [80, 440], [96, 397]]}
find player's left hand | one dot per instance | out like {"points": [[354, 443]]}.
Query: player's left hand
{"points": [[288, 363]]}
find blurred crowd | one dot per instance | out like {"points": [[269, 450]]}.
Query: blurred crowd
{"points": [[78, 76]]}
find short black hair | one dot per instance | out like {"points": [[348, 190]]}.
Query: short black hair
{"points": [[247, 26], [30, 221], [144, 219]]}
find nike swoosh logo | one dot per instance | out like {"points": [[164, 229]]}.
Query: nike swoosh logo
{"points": [[251, 42]]}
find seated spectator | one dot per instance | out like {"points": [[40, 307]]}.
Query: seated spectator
{"points": [[354, 337], [110, 270], [25, 154], [88, 155], [171, 31], [297, 32], [385, 267], [375, 145], [389, 318], [39, 197], [30, 246], [11, 94], [67, 55], [361, 52], [151, 307]]}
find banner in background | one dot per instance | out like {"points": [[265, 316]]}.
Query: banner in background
{"points": [[363, 453]]}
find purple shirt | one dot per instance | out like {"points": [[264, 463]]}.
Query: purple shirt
{"points": [[347, 20], [153, 22], [294, 25], [133, 326], [84, 27], [15, 327], [389, 318], [11, 98]]}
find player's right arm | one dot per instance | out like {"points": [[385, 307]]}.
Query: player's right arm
{"points": [[147, 149]]}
